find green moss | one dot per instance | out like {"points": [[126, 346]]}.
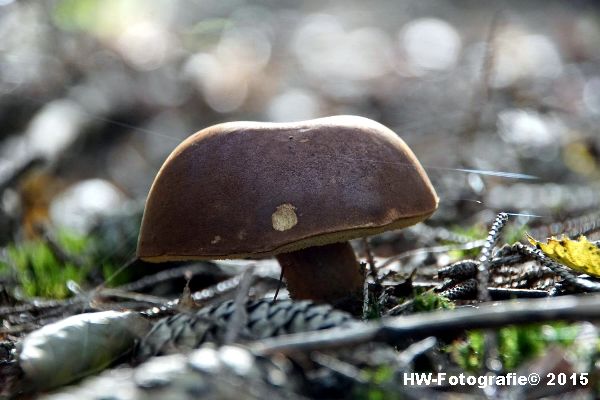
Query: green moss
{"points": [[516, 344], [379, 386], [73, 243], [513, 234], [475, 232], [39, 272], [467, 353], [429, 301]]}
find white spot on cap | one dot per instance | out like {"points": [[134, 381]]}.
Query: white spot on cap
{"points": [[284, 217], [216, 240]]}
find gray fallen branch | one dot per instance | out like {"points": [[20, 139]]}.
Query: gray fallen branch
{"points": [[172, 273], [444, 323], [138, 300], [240, 316], [408, 355]]}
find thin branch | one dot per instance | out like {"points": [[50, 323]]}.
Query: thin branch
{"points": [[371, 261], [444, 323], [366, 300], [239, 318], [408, 355], [278, 285], [170, 274]]}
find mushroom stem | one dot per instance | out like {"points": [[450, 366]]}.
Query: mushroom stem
{"points": [[329, 273]]}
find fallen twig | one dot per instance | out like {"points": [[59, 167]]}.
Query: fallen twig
{"points": [[408, 355], [444, 323], [278, 285], [371, 262], [240, 316], [122, 294], [340, 367], [172, 273]]}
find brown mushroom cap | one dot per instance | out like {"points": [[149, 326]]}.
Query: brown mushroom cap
{"points": [[253, 189]]}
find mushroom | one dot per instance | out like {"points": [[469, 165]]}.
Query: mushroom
{"points": [[297, 191]]}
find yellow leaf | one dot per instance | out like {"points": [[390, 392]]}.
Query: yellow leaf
{"points": [[580, 255]]}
